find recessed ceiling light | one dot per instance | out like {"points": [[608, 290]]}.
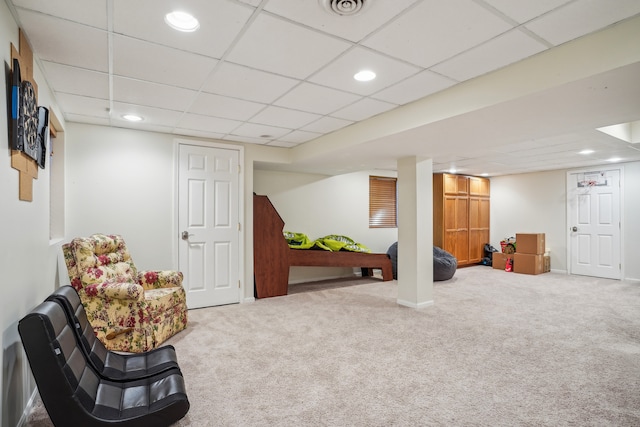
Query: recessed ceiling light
{"points": [[364, 75], [587, 151], [132, 117], [614, 159], [484, 174], [181, 21]]}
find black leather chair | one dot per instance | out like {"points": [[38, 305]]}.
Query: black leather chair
{"points": [[108, 364], [75, 395]]}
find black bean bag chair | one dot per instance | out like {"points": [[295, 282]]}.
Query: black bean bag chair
{"points": [[444, 264]]}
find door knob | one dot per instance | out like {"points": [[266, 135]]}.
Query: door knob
{"points": [[574, 228], [185, 235]]}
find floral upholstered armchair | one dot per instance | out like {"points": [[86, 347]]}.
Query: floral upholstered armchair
{"points": [[130, 310]]}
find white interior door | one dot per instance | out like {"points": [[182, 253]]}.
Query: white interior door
{"points": [[208, 221], [594, 223]]}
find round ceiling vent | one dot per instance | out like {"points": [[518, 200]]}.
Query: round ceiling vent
{"points": [[344, 7]]}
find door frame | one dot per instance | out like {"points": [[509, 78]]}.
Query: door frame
{"points": [[177, 142], [569, 223]]}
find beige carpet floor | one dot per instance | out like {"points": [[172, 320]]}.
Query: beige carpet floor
{"points": [[496, 349]]}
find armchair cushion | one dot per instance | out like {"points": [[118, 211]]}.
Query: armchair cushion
{"points": [[124, 291], [129, 310], [152, 279]]}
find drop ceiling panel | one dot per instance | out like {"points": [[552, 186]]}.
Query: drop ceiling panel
{"points": [[207, 123], [149, 127], [80, 118], [141, 92], [440, 29], [254, 130], [247, 83], [354, 28], [220, 22], [363, 109], [92, 13], [281, 47], [77, 81], [316, 99], [525, 10], [284, 117], [65, 42], [339, 74], [224, 107], [326, 125], [254, 3], [300, 136], [151, 115], [498, 52], [83, 105], [147, 61], [415, 87], [197, 133], [247, 139], [581, 17]]}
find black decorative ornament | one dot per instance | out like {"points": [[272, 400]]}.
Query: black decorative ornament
{"points": [[42, 135], [28, 120]]}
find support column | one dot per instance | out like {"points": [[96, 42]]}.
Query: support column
{"points": [[415, 232]]}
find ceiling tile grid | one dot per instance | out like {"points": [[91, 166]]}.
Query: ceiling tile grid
{"points": [[280, 72]]}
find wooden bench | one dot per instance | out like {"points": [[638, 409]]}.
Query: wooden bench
{"points": [[272, 256]]}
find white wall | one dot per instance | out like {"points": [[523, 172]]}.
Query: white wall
{"points": [[531, 203], [630, 221], [121, 181], [536, 203], [319, 205], [28, 258]]}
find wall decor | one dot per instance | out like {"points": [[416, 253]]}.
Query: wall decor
{"points": [[26, 146], [42, 141]]}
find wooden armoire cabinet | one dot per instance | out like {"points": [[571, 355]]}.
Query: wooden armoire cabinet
{"points": [[461, 215]]}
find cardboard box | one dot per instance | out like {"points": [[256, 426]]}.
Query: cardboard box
{"points": [[499, 260], [532, 244], [547, 264], [528, 263]]}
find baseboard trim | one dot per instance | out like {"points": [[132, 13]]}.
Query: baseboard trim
{"points": [[414, 305]]}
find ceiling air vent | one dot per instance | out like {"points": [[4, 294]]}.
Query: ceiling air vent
{"points": [[344, 7]]}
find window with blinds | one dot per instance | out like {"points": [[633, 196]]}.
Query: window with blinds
{"points": [[383, 205]]}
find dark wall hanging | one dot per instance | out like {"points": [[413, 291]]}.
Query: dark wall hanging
{"points": [[29, 128]]}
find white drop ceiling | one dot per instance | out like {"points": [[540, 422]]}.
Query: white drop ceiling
{"points": [[279, 73]]}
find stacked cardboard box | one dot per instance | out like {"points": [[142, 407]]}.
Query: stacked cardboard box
{"points": [[499, 260], [529, 257]]}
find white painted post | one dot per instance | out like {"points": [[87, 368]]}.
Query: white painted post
{"points": [[415, 232]]}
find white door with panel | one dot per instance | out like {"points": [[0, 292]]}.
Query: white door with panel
{"points": [[594, 223], [208, 220]]}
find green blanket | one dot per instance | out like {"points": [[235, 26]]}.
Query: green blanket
{"points": [[332, 242]]}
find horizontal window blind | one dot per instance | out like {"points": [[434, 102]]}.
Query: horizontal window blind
{"points": [[382, 202]]}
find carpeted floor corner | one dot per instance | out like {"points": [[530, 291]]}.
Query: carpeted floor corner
{"points": [[496, 349]]}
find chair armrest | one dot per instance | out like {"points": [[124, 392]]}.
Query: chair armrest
{"points": [[156, 279], [117, 291]]}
